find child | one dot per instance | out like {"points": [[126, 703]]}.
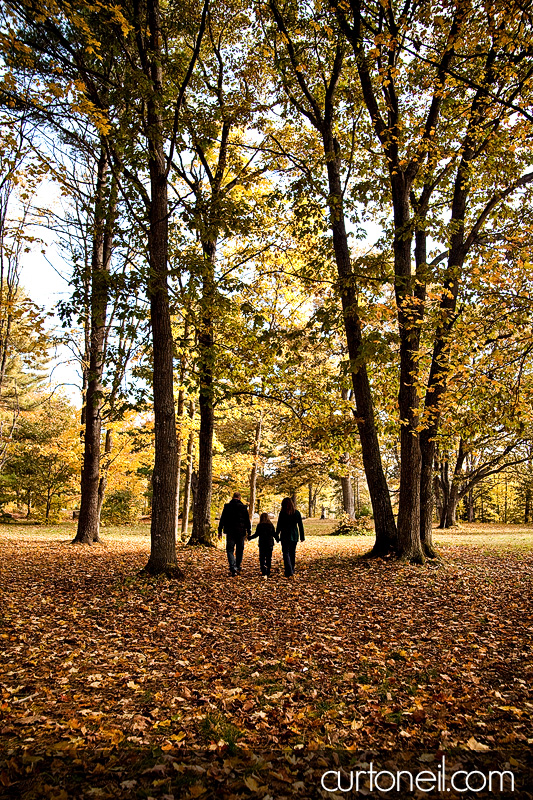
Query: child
{"points": [[266, 533]]}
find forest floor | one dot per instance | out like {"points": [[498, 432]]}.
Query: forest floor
{"points": [[121, 686]]}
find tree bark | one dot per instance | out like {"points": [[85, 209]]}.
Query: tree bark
{"points": [[253, 473], [437, 384], [163, 528], [208, 226], [201, 526], [384, 523], [409, 312], [180, 410], [104, 215], [452, 491], [102, 485], [188, 478], [348, 500]]}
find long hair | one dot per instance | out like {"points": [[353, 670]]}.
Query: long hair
{"points": [[287, 506], [264, 517]]}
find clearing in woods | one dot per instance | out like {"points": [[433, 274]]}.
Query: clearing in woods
{"points": [[115, 685]]}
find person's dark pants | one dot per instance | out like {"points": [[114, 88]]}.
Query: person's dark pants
{"points": [[265, 559], [288, 549], [234, 551]]}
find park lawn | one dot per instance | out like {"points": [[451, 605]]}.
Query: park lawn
{"points": [[115, 685]]}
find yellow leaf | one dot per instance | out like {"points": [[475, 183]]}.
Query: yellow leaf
{"points": [[473, 744], [196, 790], [253, 785]]}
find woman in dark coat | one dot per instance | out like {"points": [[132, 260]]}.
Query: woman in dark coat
{"points": [[290, 528]]}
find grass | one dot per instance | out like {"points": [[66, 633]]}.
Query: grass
{"points": [[484, 536], [487, 536]]}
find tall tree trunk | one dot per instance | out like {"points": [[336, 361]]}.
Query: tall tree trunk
{"points": [[310, 500], [208, 228], [180, 414], [426, 498], [427, 444], [253, 473], [201, 526], [188, 479], [321, 114], [444, 484], [180, 448], [348, 503], [451, 510], [194, 491], [163, 528], [104, 216], [409, 313], [437, 384], [104, 470], [452, 496], [375, 476]]}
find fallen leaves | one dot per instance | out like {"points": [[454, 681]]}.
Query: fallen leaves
{"points": [[98, 663]]}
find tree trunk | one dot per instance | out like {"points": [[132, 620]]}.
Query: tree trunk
{"points": [[104, 214], [187, 487], [180, 448], [201, 526], [437, 384], [348, 500], [409, 312], [375, 476], [310, 500], [188, 477], [105, 467], [194, 491], [163, 528], [450, 519], [314, 501], [453, 495], [426, 496], [180, 413], [253, 473]]}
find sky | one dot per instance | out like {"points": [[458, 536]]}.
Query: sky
{"points": [[44, 278]]}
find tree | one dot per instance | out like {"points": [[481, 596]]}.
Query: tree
{"points": [[309, 57], [44, 460], [426, 153], [219, 192], [154, 82]]}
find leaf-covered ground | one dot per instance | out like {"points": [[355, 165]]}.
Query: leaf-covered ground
{"points": [[114, 685]]}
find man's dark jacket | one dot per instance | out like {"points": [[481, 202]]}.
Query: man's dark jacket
{"points": [[234, 520]]}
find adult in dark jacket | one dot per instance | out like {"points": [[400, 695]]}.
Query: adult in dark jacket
{"points": [[235, 523], [266, 533], [290, 528]]}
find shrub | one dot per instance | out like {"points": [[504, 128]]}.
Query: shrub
{"points": [[360, 526], [121, 507]]}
